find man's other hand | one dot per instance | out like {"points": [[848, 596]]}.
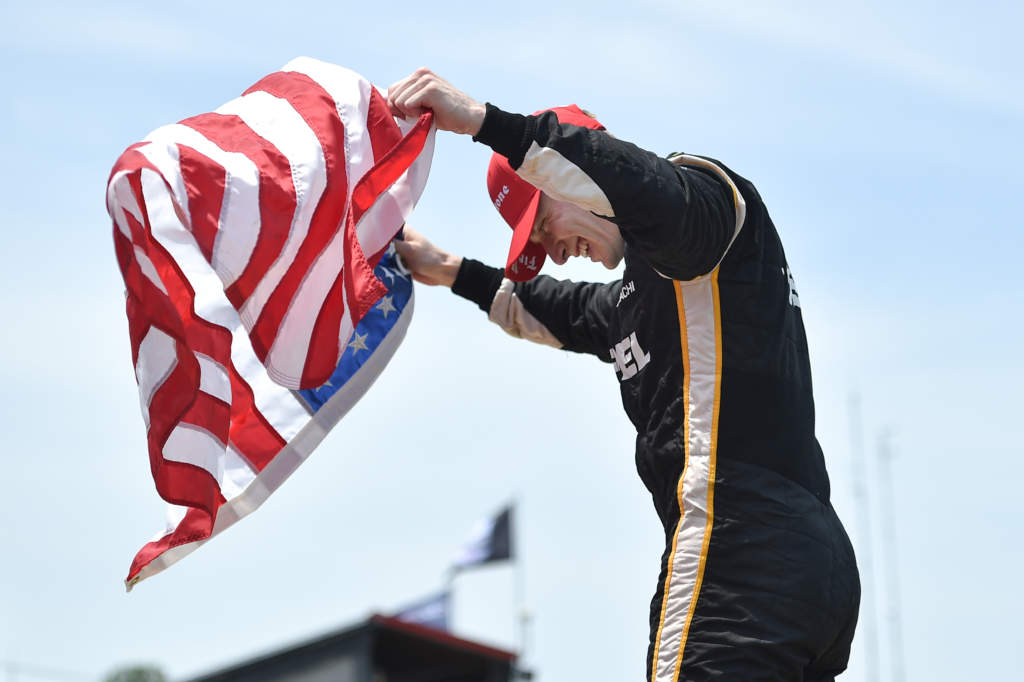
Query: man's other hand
{"points": [[453, 109], [427, 263]]}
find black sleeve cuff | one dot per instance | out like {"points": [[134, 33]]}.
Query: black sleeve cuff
{"points": [[507, 134], [477, 282]]}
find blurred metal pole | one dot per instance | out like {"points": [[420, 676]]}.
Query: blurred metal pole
{"points": [[522, 614], [865, 552], [889, 543]]}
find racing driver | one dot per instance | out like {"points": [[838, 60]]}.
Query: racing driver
{"points": [[758, 579]]}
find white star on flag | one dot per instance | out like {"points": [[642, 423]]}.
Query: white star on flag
{"points": [[387, 306], [358, 343]]}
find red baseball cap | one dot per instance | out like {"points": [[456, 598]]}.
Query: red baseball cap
{"points": [[517, 202]]}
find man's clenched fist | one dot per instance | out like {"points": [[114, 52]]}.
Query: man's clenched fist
{"points": [[453, 109]]}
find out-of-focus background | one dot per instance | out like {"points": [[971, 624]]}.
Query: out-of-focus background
{"points": [[886, 141]]}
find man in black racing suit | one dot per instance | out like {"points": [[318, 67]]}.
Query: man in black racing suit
{"points": [[758, 579]]}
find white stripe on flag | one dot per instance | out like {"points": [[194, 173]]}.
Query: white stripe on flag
{"points": [[241, 197], [395, 205], [292, 454], [174, 515], [274, 119], [148, 269], [157, 359], [213, 378], [238, 474], [278, 405], [287, 356], [119, 194], [162, 152], [210, 302], [195, 445], [351, 93]]}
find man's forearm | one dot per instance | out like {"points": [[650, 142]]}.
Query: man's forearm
{"points": [[446, 272]]}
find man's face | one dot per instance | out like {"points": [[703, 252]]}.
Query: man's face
{"points": [[566, 230]]}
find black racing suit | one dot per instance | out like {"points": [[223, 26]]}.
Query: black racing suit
{"points": [[758, 578]]}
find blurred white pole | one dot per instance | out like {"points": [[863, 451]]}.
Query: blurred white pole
{"points": [[869, 621], [449, 588], [889, 543]]}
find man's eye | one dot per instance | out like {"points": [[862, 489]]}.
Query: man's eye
{"points": [[536, 235]]}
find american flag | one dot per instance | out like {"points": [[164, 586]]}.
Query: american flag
{"points": [[248, 240]]}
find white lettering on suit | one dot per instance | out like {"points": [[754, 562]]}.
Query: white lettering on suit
{"points": [[794, 298], [629, 357], [626, 290]]}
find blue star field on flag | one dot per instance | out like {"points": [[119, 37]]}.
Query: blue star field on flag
{"points": [[370, 332]]}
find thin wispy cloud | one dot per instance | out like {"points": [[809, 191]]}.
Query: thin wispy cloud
{"points": [[80, 30], [857, 37]]}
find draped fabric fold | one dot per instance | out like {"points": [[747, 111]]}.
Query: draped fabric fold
{"points": [[262, 291]]}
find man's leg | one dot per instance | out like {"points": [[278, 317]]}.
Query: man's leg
{"points": [[761, 604], [845, 595]]}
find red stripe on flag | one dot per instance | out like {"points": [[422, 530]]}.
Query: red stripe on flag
{"points": [[243, 424], [130, 160], [318, 109], [384, 135], [139, 289], [197, 525], [251, 433], [276, 197], [204, 181], [361, 286], [390, 167], [324, 351], [176, 482], [210, 414], [134, 161], [384, 132], [200, 335]]}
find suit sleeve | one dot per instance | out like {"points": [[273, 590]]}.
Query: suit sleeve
{"points": [[681, 217], [569, 315]]}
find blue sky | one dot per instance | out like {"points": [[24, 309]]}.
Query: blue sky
{"points": [[886, 142]]}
